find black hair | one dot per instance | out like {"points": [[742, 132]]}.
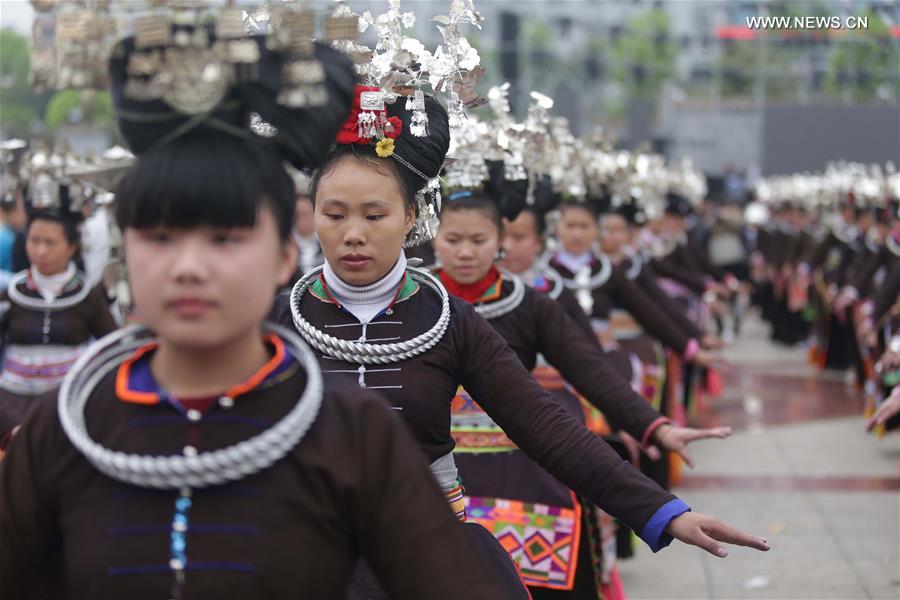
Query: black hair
{"points": [[540, 220], [474, 201], [206, 178], [426, 154], [409, 182], [70, 226], [677, 205], [590, 207], [510, 196]]}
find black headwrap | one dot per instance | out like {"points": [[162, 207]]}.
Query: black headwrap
{"points": [[303, 135], [427, 153], [678, 205]]}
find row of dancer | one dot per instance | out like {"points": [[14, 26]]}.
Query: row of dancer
{"points": [[206, 452], [827, 273]]}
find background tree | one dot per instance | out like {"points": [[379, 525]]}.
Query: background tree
{"points": [[862, 66], [642, 57], [19, 105], [76, 106]]}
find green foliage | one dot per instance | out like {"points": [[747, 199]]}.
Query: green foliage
{"points": [[70, 106], [864, 62], [799, 8], [538, 38], [738, 58], [643, 57], [15, 58], [61, 109], [17, 107], [736, 63], [537, 34]]}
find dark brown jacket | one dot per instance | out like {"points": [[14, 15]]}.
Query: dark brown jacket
{"points": [[471, 354], [540, 326], [354, 485], [70, 327], [620, 292]]}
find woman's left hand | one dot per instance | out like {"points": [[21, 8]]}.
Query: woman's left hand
{"points": [[709, 360], [676, 439], [706, 532], [711, 342], [888, 409]]}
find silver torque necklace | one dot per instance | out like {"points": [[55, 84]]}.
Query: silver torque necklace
{"points": [[180, 472], [846, 234], [57, 304], [892, 244], [364, 353], [554, 277], [637, 263], [596, 280], [542, 268], [872, 241], [498, 308], [660, 247]]}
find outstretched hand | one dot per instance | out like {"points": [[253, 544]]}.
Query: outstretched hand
{"points": [[4, 442], [886, 410], [676, 439], [711, 342], [706, 532], [709, 360]]}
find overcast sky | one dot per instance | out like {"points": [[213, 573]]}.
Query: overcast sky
{"points": [[16, 14]]}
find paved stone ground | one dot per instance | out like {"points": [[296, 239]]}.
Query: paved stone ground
{"points": [[799, 470]]}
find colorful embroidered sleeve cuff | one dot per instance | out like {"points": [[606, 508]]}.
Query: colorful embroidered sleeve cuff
{"points": [[653, 427], [654, 533]]}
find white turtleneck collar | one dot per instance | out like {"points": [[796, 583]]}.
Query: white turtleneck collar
{"points": [[50, 286], [530, 274], [574, 262], [366, 301]]}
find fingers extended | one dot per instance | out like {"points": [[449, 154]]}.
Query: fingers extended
{"points": [[725, 533]]}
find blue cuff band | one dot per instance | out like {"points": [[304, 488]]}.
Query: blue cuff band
{"points": [[654, 534]]}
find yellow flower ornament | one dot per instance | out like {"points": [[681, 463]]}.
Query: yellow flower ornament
{"points": [[385, 147]]}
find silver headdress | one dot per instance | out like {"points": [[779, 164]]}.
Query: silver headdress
{"points": [[401, 68], [175, 60]]}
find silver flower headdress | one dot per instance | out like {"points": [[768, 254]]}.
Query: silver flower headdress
{"points": [[400, 66]]}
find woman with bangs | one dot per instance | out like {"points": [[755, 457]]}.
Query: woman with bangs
{"points": [[599, 287], [385, 325], [48, 312], [200, 454], [533, 325]]}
